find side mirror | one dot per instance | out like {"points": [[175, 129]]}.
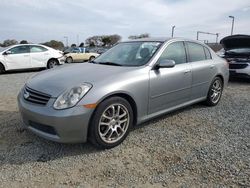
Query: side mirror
{"points": [[7, 53], [165, 63]]}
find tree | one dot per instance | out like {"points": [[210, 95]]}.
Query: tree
{"points": [[73, 45], [9, 42], [54, 44], [82, 44], [103, 40], [144, 35], [114, 39], [24, 42]]}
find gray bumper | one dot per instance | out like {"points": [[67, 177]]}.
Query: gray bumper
{"points": [[65, 126]]}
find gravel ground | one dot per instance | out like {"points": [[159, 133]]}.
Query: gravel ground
{"points": [[197, 146]]}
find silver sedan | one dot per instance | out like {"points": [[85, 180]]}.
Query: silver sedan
{"points": [[129, 84]]}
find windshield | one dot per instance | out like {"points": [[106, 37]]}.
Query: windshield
{"points": [[239, 50], [129, 54]]}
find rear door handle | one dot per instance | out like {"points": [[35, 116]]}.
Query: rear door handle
{"points": [[187, 71], [211, 66]]}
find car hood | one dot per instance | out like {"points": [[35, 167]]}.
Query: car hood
{"points": [[235, 42], [57, 80]]}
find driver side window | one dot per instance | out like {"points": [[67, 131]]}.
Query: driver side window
{"points": [[175, 51]]}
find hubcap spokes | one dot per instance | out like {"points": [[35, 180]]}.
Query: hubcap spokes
{"points": [[113, 123], [216, 91], [53, 64]]}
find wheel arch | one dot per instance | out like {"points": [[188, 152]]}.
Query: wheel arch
{"points": [[125, 96], [221, 77]]}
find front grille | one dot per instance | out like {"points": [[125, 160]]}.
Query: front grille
{"points": [[237, 66], [43, 128], [35, 96]]}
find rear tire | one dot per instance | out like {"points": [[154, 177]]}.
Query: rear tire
{"points": [[2, 69], [215, 92], [52, 63], [111, 123], [91, 58]]}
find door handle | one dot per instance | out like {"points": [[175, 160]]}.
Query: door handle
{"points": [[25, 55], [211, 66], [187, 71]]}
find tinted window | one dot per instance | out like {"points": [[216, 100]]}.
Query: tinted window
{"points": [[207, 52], [20, 50], [175, 51], [196, 52], [37, 49]]}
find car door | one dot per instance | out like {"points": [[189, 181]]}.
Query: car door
{"points": [[18, 57], [170, 87], [39, 56], [77, 56], [203, 69]]}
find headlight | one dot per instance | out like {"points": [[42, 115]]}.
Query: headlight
{"points": [[71, 97]]}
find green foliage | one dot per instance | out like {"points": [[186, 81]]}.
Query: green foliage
{"points": [[24, 42], [54, 44], [9, 42], [103, 40], [144, 35]]}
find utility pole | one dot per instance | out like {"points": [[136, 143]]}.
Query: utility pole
{"points": [[67, 40], [201, 32], [232, 29], [173, 27]]}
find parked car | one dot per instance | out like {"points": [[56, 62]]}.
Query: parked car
{"points": [[80, 55], [26, 56], [131, 83], [237, 53]]}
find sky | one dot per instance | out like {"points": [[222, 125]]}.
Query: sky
{"points": [[43, 20]]}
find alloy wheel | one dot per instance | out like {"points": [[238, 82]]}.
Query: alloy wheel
{"points": [[113, 123], [216, 91]]}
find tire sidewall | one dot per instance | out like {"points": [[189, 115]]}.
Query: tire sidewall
{"points": [[94, 124], [2, 70], [209, 100], [67, 59], [52, 60], [91, 58]]}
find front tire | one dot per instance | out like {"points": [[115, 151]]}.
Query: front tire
{"points": [[111, 123], [215, 92], [69, 60]]}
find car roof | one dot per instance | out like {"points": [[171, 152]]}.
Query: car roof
{"points": [[162, 39], [150, 39]]}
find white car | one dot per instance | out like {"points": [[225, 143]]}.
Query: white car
{"points": [[26, 56]]}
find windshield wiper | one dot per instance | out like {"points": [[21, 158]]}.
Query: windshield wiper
{"points": [[110, 63]]}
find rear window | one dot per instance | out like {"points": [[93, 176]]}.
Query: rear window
{"points": [[196, 52]]}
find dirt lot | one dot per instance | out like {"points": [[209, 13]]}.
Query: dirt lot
{"points": [[196, 146]]}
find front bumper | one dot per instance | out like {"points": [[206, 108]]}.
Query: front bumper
{"points": [[65, 126]]}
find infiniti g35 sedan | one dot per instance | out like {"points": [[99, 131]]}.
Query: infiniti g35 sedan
{"points": [[129, 84], [28, 56]]}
